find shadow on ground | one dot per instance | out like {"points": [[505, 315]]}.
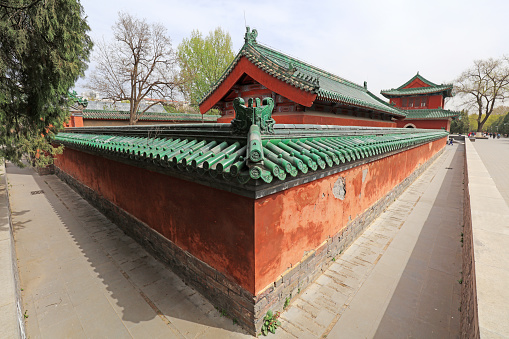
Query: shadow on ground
{"points": [[141, 287], [426, 301]]}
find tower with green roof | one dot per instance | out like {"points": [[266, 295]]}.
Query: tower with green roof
{"points": [[423, 102]]}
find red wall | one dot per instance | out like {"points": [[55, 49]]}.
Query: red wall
{"points": [[299, 219], [251, 241], [428, 124], [75, 121], [213, 225], [302, 118], [416, 84], [435, 101]]}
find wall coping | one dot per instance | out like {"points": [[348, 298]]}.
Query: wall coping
{"points": [[490, 233], [255, 164]]}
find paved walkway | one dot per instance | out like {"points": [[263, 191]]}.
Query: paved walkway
{"points": [[494, 153], [82, 277]]}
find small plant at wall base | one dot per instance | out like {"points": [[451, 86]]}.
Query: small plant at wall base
{"points": [[287, 302], [270, 322]]}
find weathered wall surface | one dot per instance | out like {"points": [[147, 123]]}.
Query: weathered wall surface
{"points": [[304, 118], [213, 225], [428, 124], [290, 223], [469, 320]]}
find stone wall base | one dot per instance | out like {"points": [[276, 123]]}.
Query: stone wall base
{"points": [[248, 310], [469, 324]]}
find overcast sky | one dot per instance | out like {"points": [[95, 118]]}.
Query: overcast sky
{"points": [[382, 42]]}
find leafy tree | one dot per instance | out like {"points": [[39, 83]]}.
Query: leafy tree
{"points": [[501, 125], [202, 61], [461, 125], [44, 48], [138, 63], [483, 85]]}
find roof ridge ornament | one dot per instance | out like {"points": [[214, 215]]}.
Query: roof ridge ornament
{"points": [[250, 36], [260, 115], [80, 102]]}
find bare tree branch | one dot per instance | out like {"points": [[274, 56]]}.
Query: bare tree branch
{"points": [[483, 86], [138, 63]]}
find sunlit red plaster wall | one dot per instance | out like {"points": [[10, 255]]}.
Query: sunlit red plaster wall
{"points": [[213, 225], [291, 222], [74, 121], [427, 124], [302, 118]]}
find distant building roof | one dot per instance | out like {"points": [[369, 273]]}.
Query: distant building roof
{"points": [[435, 114], [147, 116], [325, 85], [122, 106], [429, 88]]}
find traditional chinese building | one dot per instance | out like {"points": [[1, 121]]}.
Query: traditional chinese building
{"points": [[423, 102], [302, 93]]}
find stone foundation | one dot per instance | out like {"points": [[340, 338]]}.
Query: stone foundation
{"points": [[469, 320]]}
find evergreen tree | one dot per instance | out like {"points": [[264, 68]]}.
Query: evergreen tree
{"points": [[462, 124], [44, 47]]}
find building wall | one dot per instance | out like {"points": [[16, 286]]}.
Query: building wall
{"points": [[434, 101], [428, 124], [290, 223], [100, 122], [321, 119], [213, 225], [74, 121]]}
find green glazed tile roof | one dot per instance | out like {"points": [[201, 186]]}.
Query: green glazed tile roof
{"points": [[212, 151], [438, 113], [433, 88], [327, 86], [147, 116]]}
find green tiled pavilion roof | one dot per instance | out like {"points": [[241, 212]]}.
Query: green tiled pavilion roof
{"points": [[210, 150], [433, 88], [423, 114], [327, 86], [147, 116]]}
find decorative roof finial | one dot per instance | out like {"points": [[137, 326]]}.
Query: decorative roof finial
{"points": [[245, 116], [365, 84], [250, 36], [77, 100]]}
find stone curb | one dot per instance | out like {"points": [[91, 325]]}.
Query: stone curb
{"points": [[485, 296], [11, 313]]}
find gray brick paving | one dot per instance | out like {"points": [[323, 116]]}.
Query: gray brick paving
{"points": [[82, 277]]}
